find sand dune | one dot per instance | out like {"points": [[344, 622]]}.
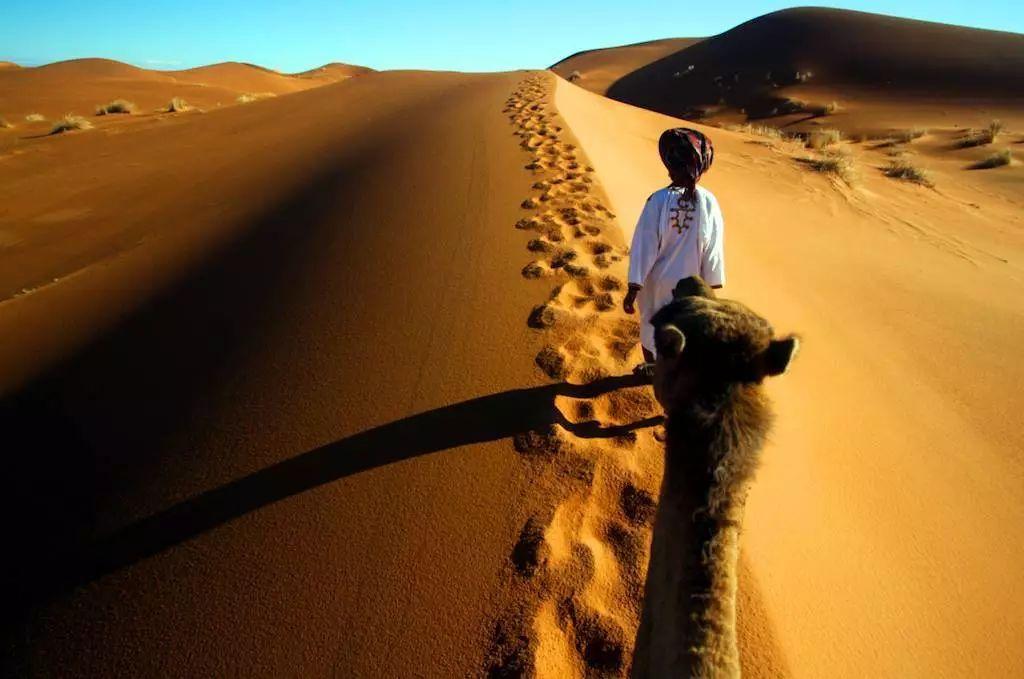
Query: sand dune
{"points": [[890, 494], [598, 69], [79, 85], [301, 388], [817, 56]]}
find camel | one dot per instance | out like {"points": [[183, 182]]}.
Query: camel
{"points": [[712, 357]]}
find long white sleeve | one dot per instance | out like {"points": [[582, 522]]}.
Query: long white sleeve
{"points": [[712, 257], [646, 243]]}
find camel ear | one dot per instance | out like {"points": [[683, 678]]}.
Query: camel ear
{"points": [[693, 286], [776, 358], [669, 340]]}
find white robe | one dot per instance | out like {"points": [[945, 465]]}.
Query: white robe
{"points": [[663, 254]]}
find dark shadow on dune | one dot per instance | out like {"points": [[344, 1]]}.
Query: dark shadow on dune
{"points": [[487, 418]]}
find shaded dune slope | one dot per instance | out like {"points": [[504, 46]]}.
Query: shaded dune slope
{"points": [[255, 287], [747, 66], [600, 68]]}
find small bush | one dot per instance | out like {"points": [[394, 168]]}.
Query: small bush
{"points": [[981, 137], [253, 96], [116, 106], [70, 122], [907, 136], [822, 109], [4, 124], [995, 160], [834, 163], [994, 129], [819, 139], [574, 76], [759, 130], [903, 168], [35, 118], [177, 105]]}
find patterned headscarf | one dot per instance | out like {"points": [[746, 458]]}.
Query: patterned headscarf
{"points": [[686, 152]]}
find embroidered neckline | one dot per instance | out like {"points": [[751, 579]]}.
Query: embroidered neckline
{"points": [[684, 206]]}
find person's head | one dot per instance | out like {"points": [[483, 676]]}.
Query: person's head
{"points": [[687, 155]]}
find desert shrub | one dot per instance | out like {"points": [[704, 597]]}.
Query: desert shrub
{"points": [[907, 136], [253, 96], [70, 122], [981, 137], [819, 139], [833, 162], [997, 159], [759, 130], [35, 118], [177, 105], [574, 76], [904, 168], [822, 109], [4, 124], [116, 106]]}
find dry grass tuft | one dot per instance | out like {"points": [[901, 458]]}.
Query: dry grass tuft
{"points": [[997, 159], [994, 129], [177, 105], [833, 162], [820, 110], [35, 118], [981, 137], [759, 130], [823, 138], [116, 106], [904, 168], [907, 136], [254, 96], [70, 122]]}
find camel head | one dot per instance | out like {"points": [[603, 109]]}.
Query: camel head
{"points": [[706, 346]]}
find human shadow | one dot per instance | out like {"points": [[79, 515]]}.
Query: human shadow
{"points": [[487, 418]]}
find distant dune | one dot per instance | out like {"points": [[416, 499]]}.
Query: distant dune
{"points": [[79, 85], [816, 56], [598, 69]]}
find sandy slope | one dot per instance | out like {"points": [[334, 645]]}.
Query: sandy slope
{"points": [[882, 71], [884, 532], [284, 278], [80, 85], [600, 68]]}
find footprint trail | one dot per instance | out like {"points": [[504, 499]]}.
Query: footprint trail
{"points": [[576, 572]]}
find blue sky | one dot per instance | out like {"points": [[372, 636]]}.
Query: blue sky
{"points": [[466, 35]]}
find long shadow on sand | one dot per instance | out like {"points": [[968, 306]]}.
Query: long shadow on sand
{"points": [[487, 418]]}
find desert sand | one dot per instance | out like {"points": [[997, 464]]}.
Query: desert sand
{"points": [[336, 383], [78, 86], [879, 72]]}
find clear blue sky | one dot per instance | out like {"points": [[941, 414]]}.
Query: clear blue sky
{"points": [[466, 35]]}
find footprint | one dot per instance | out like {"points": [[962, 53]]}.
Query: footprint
{"points": [[543, 316], [528, 553], [552, 362], [637, 505], [539, 442]]}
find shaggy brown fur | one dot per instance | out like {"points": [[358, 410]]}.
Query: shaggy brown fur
{"points": [[712, 357]]}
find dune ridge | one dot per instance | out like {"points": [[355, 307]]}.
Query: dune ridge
{"points": [[789, 66], [79, 85], [575, 577]]}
